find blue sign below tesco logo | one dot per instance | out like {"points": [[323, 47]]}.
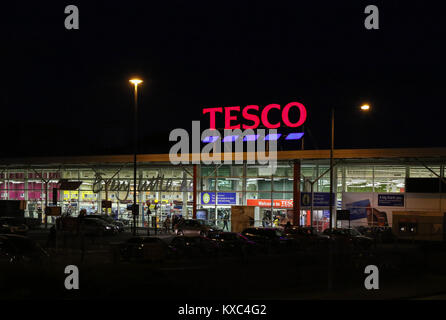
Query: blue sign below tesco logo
{"points": [[391, 200], [321, 199], [208, 198]]}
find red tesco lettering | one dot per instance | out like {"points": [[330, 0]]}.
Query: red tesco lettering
{"points": [[250, 113]]}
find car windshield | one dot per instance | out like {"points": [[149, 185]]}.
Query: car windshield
{"points": [[96, 221], [192, 222]]}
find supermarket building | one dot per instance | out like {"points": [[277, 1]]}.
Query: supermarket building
{"points": [[371, 182]]}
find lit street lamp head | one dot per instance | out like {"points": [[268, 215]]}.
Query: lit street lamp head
{"points": [[365, 107], [135, 81]]}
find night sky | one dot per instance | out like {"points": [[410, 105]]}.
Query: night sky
{"points": [[66, 92]]}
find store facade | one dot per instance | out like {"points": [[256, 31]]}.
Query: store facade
{"points": [[297, 191]]}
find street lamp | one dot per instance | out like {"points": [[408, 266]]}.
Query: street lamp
{"points": [[135, 82], [364, 107]]}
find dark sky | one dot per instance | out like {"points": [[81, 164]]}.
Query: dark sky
{"points": [[66, 92]]}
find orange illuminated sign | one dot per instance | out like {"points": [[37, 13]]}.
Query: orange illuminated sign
{"points": [[267, 203]]}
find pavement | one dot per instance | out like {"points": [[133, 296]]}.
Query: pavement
{"points": [[407, 271]]}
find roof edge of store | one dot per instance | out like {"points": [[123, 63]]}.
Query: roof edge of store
{"points": [[281, 155]]}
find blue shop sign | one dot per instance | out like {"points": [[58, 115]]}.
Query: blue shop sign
{"points": [[391, 200], [321, 199], [228, 198]]}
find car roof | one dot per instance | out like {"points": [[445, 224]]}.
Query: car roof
{"points": [[14, 236], [142, 238], [260, 228]]}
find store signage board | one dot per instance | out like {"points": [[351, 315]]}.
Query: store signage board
{"points": [[343, 215], [321, 199], [359, 209], [253, 114], [391, 200], [267, 203], [69, 185], [223, 198], [53, 211]]}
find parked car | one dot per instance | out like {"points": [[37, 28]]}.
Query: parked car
{"points": [[125, 222], [96, 227], [233, 243], [380, 234], [193, 246], [12, 225], [144, 248], [267, 238], [32, 223], [349, 237], [190, 227], [305, 237], [20, 249], [119, 225]]}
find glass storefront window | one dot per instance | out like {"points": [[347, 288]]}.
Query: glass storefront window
{"points": [[387, 185], [339, 180], [359, 178], [389, 178], [229, 184], [423, 172], [230, 171], [283, 196], [208, 171], [308, 172], [224, 171], [252, 195], [252, 184], [252, 171], [259, 171], [284, 171], [264, 184], [351, 177], [208, 184], [323, 184], [283, 184]]}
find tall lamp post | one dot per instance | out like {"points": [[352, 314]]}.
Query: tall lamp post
{"points": [[364, 107], [135, 82]]}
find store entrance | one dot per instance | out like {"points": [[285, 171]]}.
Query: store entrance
{"points": [[278, 217], [321, 218], [223, 217]]}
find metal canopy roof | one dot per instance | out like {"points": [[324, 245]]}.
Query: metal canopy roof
{"points": [[361, 155]]}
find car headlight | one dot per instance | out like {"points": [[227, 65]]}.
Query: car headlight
{"points": [[107, 227]]}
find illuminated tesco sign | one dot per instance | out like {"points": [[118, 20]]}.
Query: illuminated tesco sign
{"points": [[251, 113]]}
